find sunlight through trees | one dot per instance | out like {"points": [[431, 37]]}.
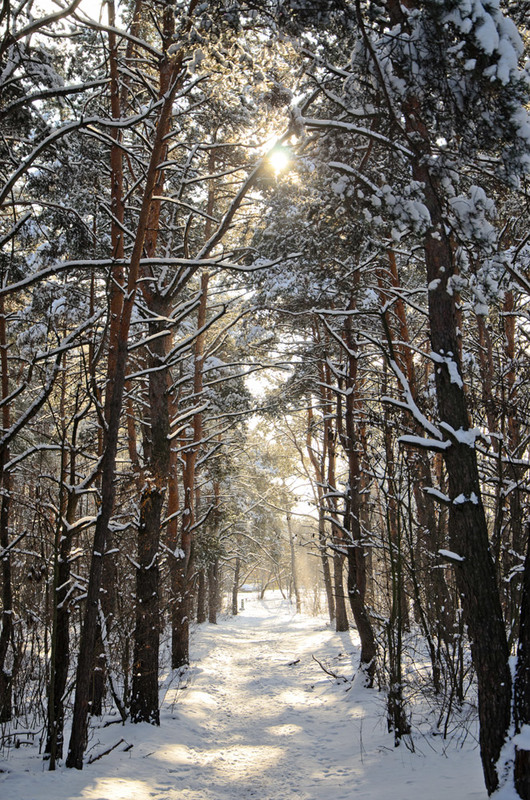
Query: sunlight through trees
{"points": [[264, 323]]}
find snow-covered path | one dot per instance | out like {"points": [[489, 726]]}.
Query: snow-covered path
{"points": [[262, 715], [258, 718]]}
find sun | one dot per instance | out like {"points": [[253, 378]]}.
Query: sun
{"points": [[279, 158]]}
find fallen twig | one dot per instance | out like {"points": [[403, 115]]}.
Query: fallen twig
{"points": [[106, 752], [329, 672]]}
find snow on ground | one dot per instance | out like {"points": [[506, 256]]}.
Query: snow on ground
{"points": [[256, 717]]}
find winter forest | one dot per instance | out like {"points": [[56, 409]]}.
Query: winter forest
{"points": [[264, 350]]}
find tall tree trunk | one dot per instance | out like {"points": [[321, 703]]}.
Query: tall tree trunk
{"points": [[201, 596], [213, 591], [393, 518], [61, 589], [349, 428], [338, 544], [172, 540], [294, 572], [113, 407], [356, 594], [116, 294], [424, 556], [104, 630], [144, 687], [341, 616], [184, 567], [326, 571], [180, 634], [144, 695], [6, 675], [467, 527], [6, 633], [468, 533], [515, 470], [522, 689], [235, 586], [318, 468]]}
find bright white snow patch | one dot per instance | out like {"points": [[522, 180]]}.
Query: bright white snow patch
{"points": [[450, 555], [461, 499], [494, 34]]}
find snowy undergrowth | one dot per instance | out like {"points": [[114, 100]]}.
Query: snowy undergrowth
{"points": [[257, 717]]}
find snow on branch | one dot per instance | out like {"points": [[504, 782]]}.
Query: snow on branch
{"points": [[462, 436], [147, 339], [339, 165], [6, 550], [437, 494], [332, 124], [35, 449], [426, 444], [70, 127], [14, 230], [106, 263], [37, 24], [70, 341], [182, 419], [495, 35], [121, 33], [55, 91], [79, 525], [410, 403], [30, 412], [450, 556], [452, 366]]}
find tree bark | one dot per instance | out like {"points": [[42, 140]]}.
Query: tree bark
{"points": [[439, 605], [522, 688], [6, 633], [184, 566], [213, 591], [113, 407], [235, 586], [322, 537], [294, 572], [349, 428], [201, 597], [467, 528], [60, 637], [341, 616], [144, 696]]}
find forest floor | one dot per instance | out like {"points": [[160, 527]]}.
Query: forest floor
{"points": [[257, 717]]}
